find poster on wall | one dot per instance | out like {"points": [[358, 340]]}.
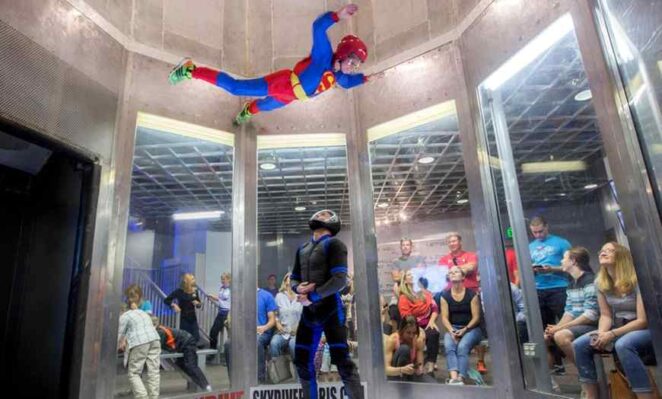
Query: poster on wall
{"points": [[326, 390]]}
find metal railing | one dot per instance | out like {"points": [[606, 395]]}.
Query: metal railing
{"points": [[206, 314], [151, 281], [153, 293]]}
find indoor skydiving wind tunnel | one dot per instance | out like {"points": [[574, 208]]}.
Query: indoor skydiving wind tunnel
{"points": [[496, 181]]}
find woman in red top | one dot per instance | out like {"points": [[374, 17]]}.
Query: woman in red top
{"points": [[422, 306]]}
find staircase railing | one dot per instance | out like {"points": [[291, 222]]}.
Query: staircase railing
{"points": [[153, 293], [151, 281], [206, 314]]}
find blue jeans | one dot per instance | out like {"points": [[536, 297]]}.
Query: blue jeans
{"points": [[457, 353], [279, 343], [628, 347], [262, 342]]}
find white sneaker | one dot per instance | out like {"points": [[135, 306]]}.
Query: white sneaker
{"points": [[555, 386]]}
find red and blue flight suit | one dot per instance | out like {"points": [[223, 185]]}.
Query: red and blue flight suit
{"points": [[311, 76]]}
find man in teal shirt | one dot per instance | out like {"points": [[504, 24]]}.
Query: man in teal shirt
{"points": [[546, 253]]}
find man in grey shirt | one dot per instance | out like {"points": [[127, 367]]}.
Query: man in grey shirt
{"points": [[405, 262]]}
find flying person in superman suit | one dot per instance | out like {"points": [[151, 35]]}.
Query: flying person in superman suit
{"points": [[315, 74]]}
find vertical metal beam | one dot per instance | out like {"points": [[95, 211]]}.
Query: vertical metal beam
{"points": [[495, 290], [243, 348], [520, 238], [626, 161], [366, 276]]}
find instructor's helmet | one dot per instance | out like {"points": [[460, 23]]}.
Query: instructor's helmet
{"points": [[351, 44], [325, 219]]}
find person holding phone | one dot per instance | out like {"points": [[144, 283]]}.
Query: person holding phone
{"points": [[622, 326], [404, 353], [551, 282], [460, 315], [187, 301]]}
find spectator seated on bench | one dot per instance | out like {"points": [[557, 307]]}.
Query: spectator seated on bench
{"points": [[622, 327]]}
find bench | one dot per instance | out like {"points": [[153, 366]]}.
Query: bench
{"points": [[202, 356], [202, 361]]}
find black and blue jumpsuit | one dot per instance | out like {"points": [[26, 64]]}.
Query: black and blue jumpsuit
{"points": [[323, 262]]}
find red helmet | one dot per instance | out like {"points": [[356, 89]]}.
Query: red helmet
{"points": [[351, 44]]}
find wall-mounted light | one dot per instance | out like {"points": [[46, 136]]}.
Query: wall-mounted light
{"points": [[541, 43], [197, 215]]}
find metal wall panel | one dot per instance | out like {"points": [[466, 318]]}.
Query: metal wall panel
{"points": [[43, 92]]}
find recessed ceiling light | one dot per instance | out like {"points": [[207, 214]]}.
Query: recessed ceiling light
{"points": [[584, 95], [561, 194], [462, 201], [426, 160], [590, 186], [382, 205], [403, 216], [267, 166], [299, 208], [387, 222]]}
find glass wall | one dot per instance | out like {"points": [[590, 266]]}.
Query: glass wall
{"points": [[633, 29], [432, 314], [178, 257], [559, 214], [297, 177]]}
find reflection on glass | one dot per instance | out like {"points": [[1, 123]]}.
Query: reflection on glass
{"points": [[633, 29], [428, 266], [556, 204], [303, 200], [177, 264]]}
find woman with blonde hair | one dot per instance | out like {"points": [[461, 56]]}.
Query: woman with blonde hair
{"points": [[422, 306], [188, 300], [622, 325], [289, 314]]}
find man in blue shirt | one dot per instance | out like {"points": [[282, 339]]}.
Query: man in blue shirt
{"points": [[266, 321], [546, 253]]}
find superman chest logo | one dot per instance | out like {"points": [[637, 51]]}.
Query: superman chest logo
{"points": [[328, 81]]}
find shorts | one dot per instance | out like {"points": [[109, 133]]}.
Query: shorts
{"points": [[578, 331]]}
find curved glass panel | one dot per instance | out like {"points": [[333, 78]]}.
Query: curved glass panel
{"points": [[299, 175], [178, 257], [432, 314]]}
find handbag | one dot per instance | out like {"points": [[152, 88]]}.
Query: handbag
{"points": [[279, 369], [619, 388]]}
